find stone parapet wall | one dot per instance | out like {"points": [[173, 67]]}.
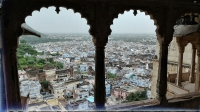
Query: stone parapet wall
{"points": [[172, 69]]}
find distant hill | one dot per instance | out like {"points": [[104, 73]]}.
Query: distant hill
{"points": [[149, 39], [31, 39]]}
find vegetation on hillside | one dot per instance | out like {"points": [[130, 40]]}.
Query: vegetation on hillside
{"points": [[26, 56], [141, 38], [35, 40]]}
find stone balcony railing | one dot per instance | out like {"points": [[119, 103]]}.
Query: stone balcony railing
{"points": [[133, 105], [188, 101]]}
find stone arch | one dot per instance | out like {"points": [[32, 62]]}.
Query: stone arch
{"points": [[135, 14], [83, 10], [113, 12]]}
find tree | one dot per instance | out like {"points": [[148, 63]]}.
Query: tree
{"points": [[30, 62], [111, 75], [25, 48], [59, 65], [22, 61], [39, 65], [44, 84], [137, 96], [50, 60], [41, 60]]}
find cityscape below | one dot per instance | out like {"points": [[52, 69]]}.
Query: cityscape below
{"points": [[57, 71]]}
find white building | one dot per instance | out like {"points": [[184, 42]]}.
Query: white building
{"points": [[83, 68], [33, 89], [108, 86]]}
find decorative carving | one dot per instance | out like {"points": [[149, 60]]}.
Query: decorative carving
{"points": [[99, 15], [135, 12], [154, 11], [57, 10], [85, 9]]}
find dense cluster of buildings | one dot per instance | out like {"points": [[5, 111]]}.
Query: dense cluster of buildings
{"points": [[72, 88]]}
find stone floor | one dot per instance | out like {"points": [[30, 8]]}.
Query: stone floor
{"points": [[188, 86]]}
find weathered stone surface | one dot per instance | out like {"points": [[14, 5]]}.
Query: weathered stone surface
{"points": [[154, 79]]}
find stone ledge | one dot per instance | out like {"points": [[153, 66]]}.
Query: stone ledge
{"points": [[134, 105], [177, 102], [183, 97], [173, 63]]}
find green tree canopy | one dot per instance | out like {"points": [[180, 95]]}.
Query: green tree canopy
{"points": [[30, 61], [50, 60], [137, 96], [25, 48], [111, 75], [44, 83], [41, 60], [59, 65]]}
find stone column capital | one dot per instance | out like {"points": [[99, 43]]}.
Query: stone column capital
{"points": [[99, 42], [181, 49], [163, 47]]}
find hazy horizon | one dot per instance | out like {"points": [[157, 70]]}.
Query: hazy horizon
{"points": [[112, 33]]}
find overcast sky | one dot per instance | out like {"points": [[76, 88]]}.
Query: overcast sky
{"points": [[48, 21]]}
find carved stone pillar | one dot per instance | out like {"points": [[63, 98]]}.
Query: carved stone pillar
{"points": [[99, 91], [197, 78], [100, 31], [162, 73], [179, 69], [11, 75], [192, 69]]}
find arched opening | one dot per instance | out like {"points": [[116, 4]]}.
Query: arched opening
{"points": [[129, 58], [183, 61], [61, 60]]}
